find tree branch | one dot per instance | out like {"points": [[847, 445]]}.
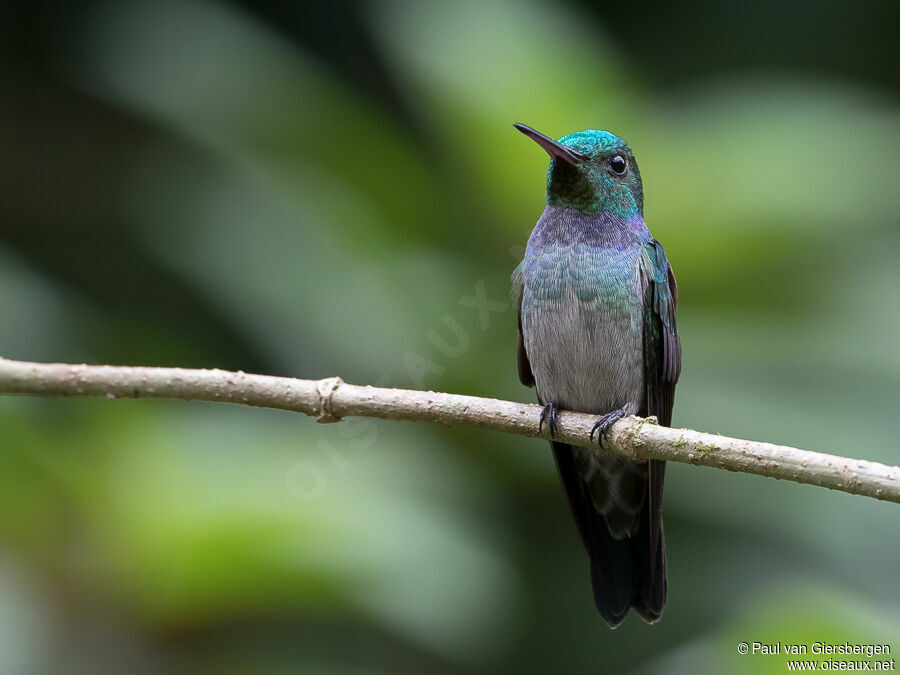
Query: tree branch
{"points": [[331, 399]]}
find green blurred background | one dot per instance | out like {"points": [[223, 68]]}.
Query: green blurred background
{"points": [[312, 189]]}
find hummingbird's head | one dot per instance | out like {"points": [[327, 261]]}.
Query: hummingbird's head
{"points": [[591, 171]]}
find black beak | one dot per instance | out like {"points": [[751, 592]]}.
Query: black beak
{"points": [[555, 149]]}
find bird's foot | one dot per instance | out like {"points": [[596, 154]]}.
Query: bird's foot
{"points": [[602, 425], [548, 414]]}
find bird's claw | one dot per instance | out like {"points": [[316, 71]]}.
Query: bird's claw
{"points": [[602, 425], [548, 414]]}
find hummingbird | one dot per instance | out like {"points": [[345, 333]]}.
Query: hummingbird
{"points": [[596, 303]]}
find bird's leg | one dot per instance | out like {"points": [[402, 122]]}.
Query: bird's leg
{"points": [[602, 425], [548, 414]]}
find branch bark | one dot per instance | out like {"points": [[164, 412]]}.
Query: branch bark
{"points": [[331, 399]]}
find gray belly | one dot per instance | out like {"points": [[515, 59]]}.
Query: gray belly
{"points": [[587, 356]]}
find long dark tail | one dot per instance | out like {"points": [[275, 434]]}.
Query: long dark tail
{"points": [[628, 572]]}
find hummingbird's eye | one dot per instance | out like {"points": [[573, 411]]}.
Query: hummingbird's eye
{"points": [[618, 164]]}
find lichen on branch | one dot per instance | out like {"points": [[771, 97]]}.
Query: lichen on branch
{"points": [[331, 399]]}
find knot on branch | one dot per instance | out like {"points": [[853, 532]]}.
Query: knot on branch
{"points": [[636, 438], [326, 389]]}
